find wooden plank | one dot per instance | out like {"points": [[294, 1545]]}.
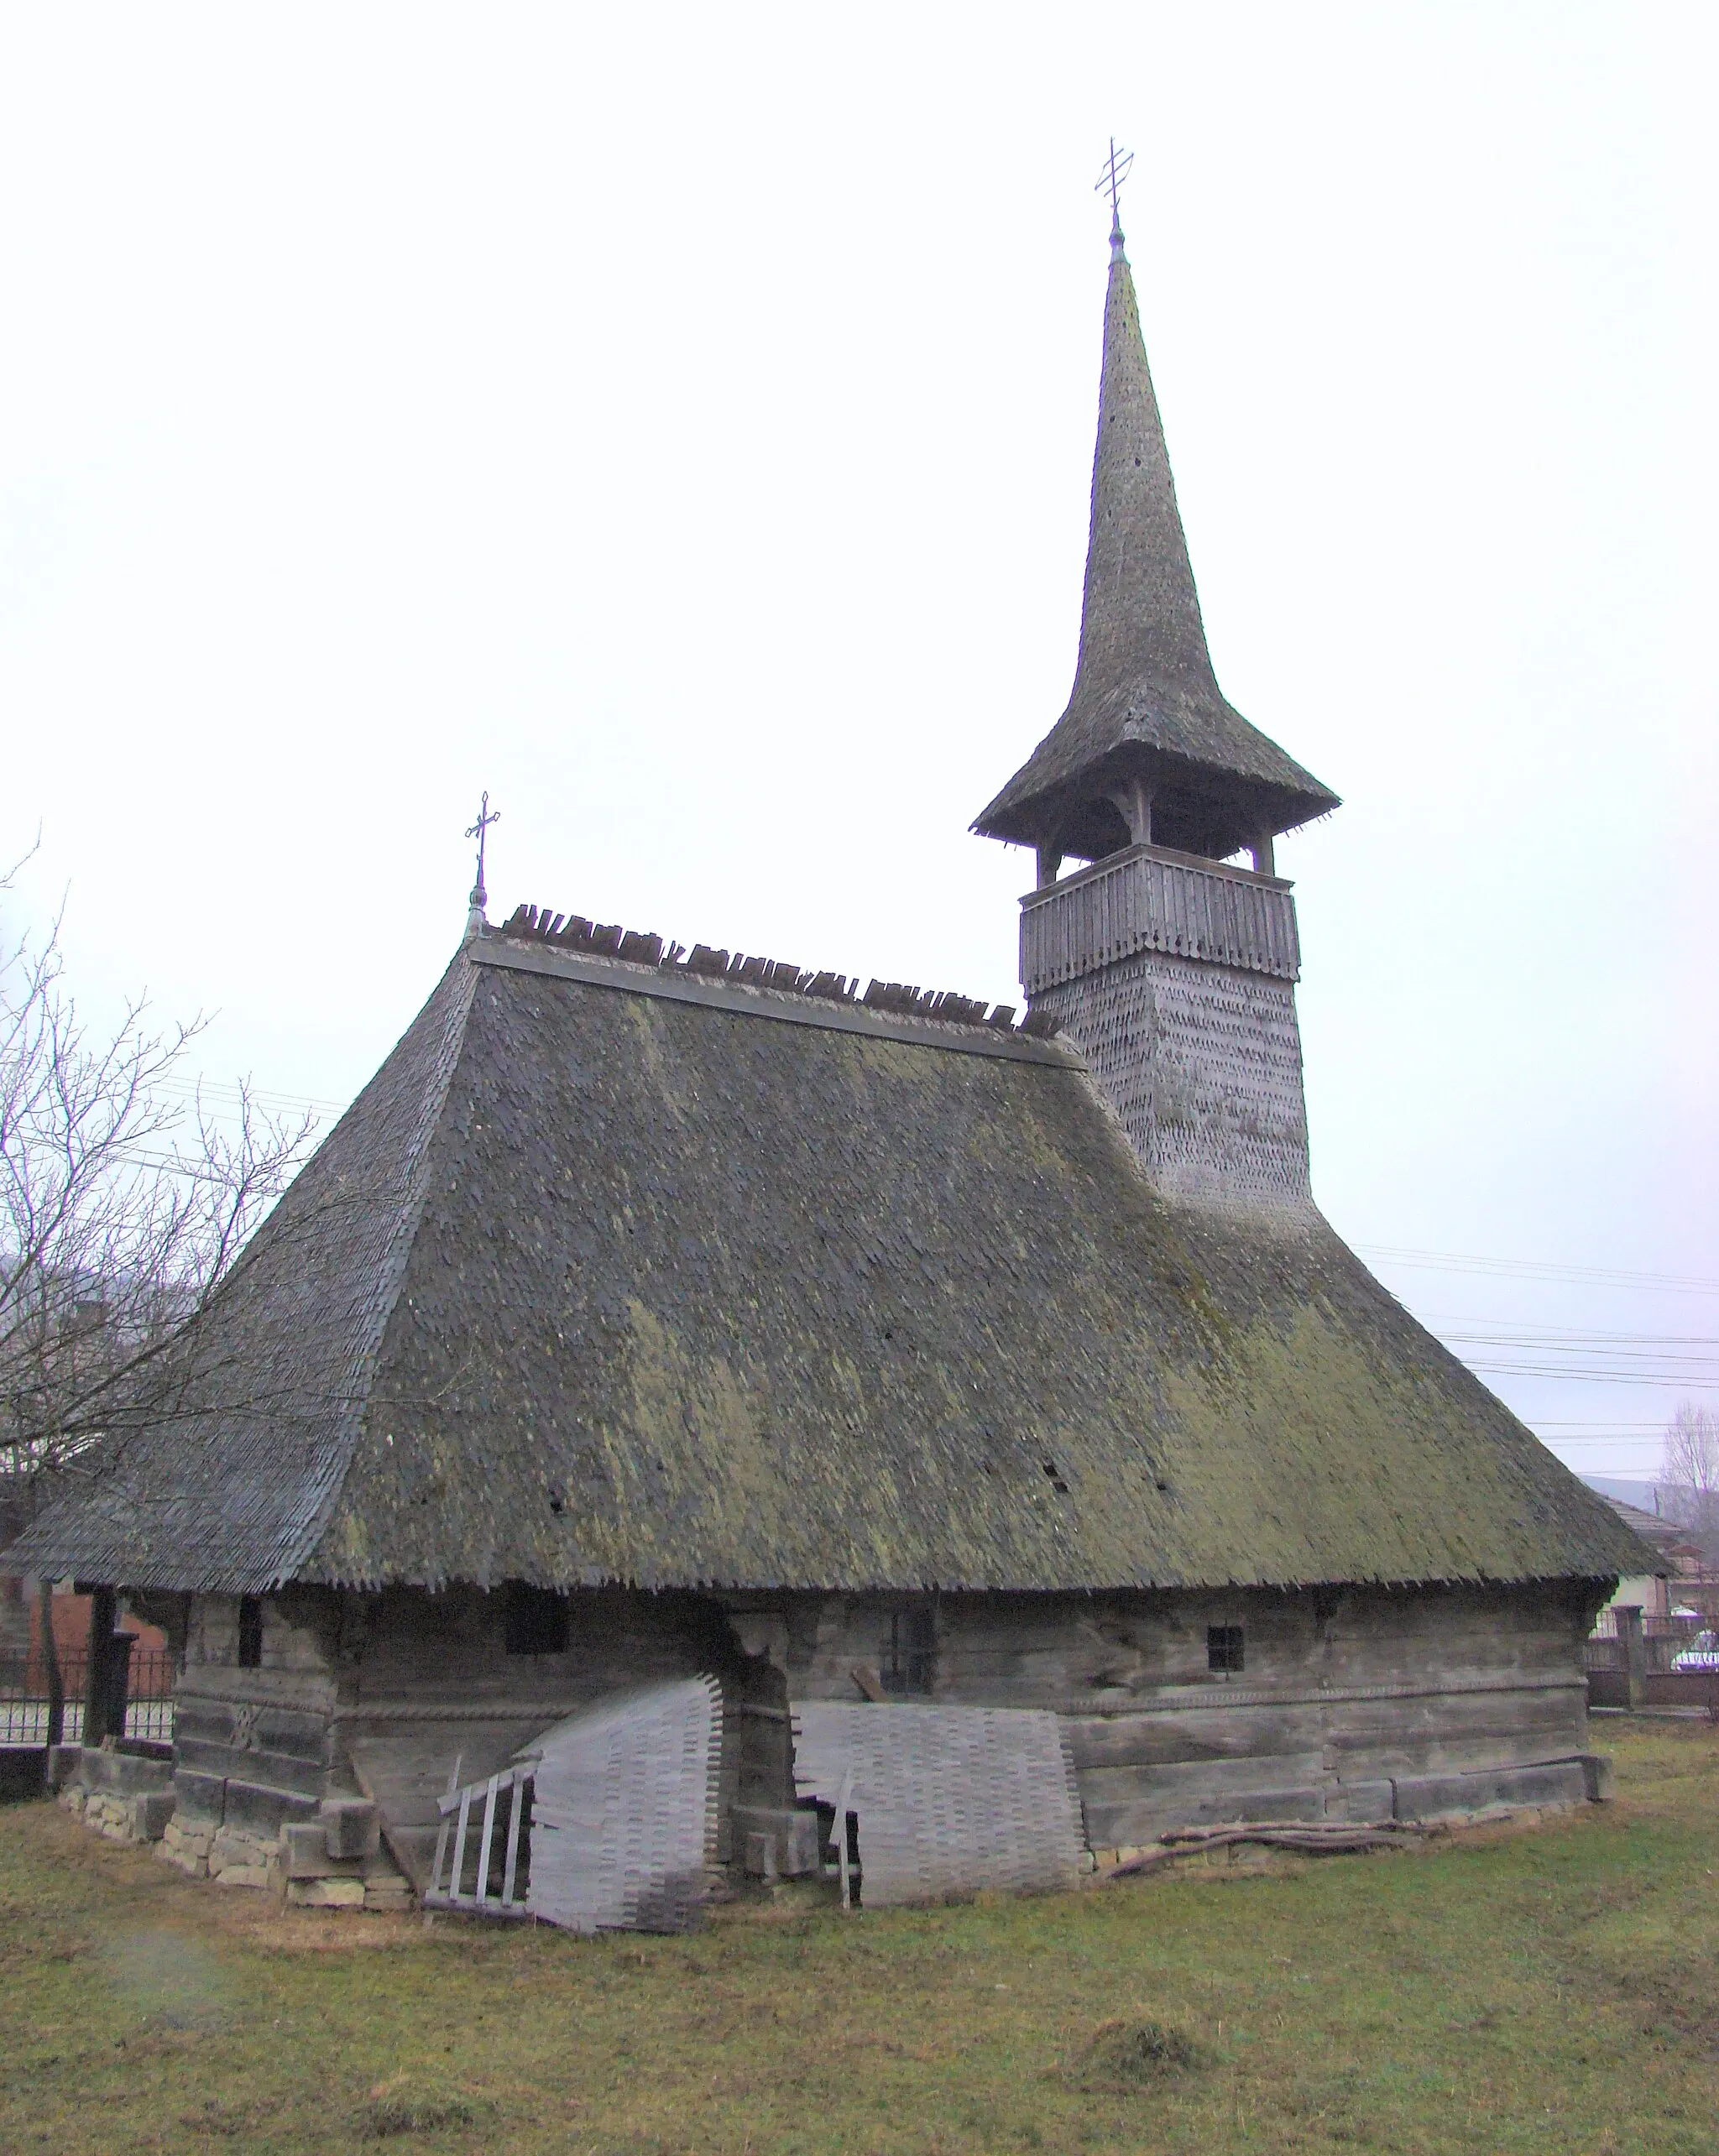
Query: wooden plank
{"points": [[513, 1838], [1109, 1824], [1197, 1781], [1144, 1738], [436, 1881], [456, 1877], [484, 1846]]}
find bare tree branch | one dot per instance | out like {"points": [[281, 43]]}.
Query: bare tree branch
{"points": [[123, 1205], [1690, 1468]]}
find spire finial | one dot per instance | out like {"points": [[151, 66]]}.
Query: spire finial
{"points": [[1117, 166], [480, 897]]}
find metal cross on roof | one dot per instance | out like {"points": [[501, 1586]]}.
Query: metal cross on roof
{"points": [[1117, 166], [486, 817]]}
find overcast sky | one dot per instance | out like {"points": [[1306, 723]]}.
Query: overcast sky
{"points": [[679, 422]]}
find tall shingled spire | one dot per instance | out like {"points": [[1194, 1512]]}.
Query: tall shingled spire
{"points": [[1148, 747], [1140, 613]]}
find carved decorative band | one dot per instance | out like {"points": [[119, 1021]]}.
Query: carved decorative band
{"points": [[1181, 1700], [1147, 900]]}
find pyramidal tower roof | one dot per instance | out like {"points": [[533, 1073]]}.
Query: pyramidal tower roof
{"points": [[1146, 705]]}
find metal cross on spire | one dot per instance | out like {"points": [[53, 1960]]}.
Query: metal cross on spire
{"points": [[479, 830], [1117, 167]]}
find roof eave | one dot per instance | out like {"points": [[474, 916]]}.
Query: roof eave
{"points": [[1021, 818]]}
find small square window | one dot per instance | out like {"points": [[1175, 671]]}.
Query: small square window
{"points": [[250, 1632], [1223, 1648]]}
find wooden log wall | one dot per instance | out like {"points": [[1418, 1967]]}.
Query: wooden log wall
{"points": [[382, 1695], [1351, 1703], [253, 1748], [1358, 1703]]}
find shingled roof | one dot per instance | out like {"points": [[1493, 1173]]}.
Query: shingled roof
{"points": [[613, 1273], [1145, 696]]}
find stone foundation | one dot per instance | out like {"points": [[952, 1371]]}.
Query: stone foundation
{"points": [[333, 1861], [119, 1794], [119, 1817]]}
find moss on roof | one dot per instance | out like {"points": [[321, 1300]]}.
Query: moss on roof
{"points": [[592, 1284]]}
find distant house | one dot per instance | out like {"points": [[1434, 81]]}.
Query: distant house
{"points": [[652, 1315], [1685, 1576]]}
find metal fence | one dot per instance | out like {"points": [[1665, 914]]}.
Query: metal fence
{"points": [[1604, 1650], [1699, 1595], [23, 1699]]}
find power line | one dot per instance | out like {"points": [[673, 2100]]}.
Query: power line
{"points": [[1604, 1429], [227, 1089], [1681, 1381], [1510, 1333], [1664, 1283]]}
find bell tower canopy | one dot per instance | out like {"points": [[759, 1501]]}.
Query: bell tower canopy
{"points": [[1149, 748]]}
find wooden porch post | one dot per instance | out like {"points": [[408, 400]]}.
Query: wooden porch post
{"points": [[1628, 1615], [104, 1608]]}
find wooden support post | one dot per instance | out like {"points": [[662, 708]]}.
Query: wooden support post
{"points": [[104, 1607], [1628, 1617], [1264, 855], [119, 1650], [843, 1802], [51, 1664], [1134, 799]]}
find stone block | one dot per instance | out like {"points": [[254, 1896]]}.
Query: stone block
{"points": [[241, 1875], [151, 1813], [326, 1893], [352, 1827], [201, 1797], [259, 1810], [390, 1895], [63, 1762], [232, 1846], [1597, 1774], [304, 1850], [792, 1836], [125, 1773]]}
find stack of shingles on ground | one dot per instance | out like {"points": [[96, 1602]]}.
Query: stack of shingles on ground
{"points": [[596, 939], [623, 1818], [950, 1799]]}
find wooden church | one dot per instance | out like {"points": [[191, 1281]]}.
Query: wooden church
{"points": [[654, 1316]]}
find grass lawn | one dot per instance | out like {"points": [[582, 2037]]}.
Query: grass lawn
{"points": [[1545, 1990]]}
